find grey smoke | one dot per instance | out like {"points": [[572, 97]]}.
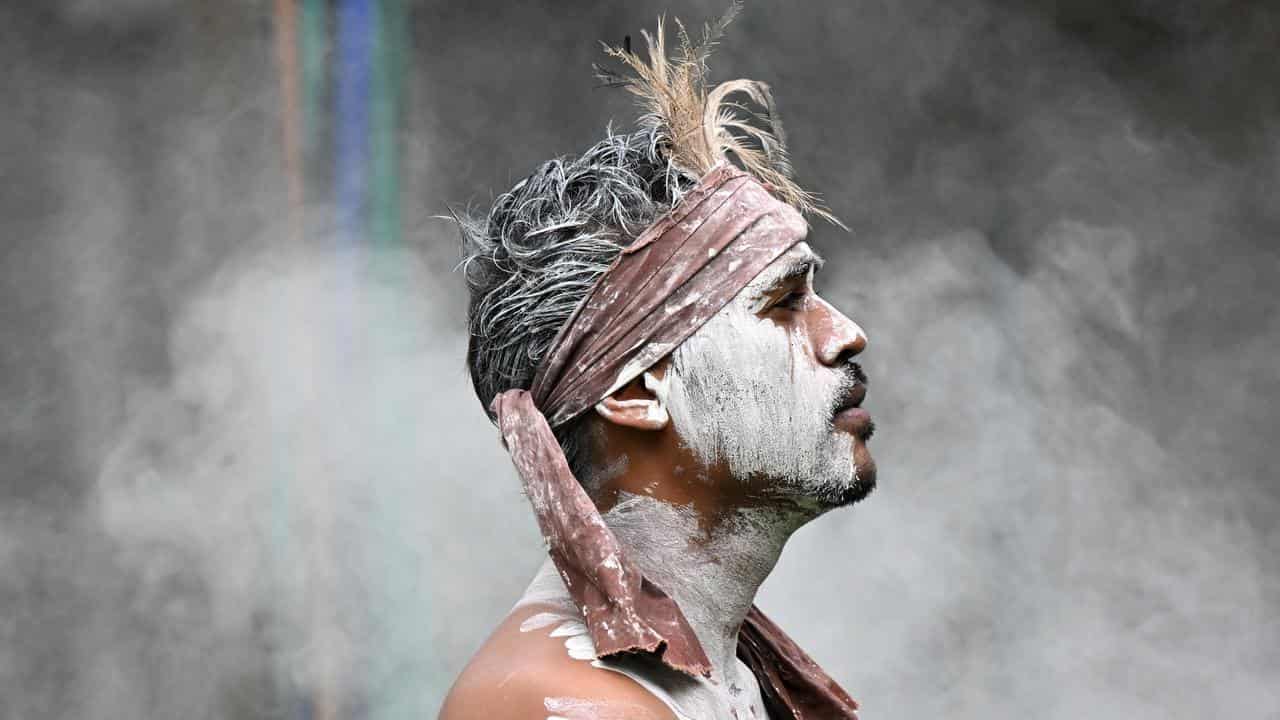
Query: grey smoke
{"points": [[241, 474]]}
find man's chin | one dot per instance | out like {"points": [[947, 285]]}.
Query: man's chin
{"points": [[833, 484], [864, 481], [846, 491]]}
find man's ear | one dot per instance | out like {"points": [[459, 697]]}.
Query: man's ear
{"points": [[641, 403]]}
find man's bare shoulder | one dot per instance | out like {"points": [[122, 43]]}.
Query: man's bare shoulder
{"points": [[531, 675]]}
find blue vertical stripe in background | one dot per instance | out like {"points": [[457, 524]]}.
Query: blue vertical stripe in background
{"points": [[355, 31]]}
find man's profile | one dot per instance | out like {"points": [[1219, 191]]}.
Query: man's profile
{"points": [[677, 401]]}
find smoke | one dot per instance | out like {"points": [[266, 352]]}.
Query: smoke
{"points": [[246, 478]]}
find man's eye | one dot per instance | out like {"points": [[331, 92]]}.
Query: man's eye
{"points": [[793, 300]]}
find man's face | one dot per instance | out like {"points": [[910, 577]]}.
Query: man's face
{"points": [[767, 389]]}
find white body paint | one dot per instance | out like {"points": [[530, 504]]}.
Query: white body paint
{"points": [[548, 589], [571, 708], [713, 577]]}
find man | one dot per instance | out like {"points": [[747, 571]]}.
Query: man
{"points": [[677, 401]]}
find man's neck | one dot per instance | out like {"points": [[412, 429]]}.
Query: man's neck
{"points": [[711, 569]]}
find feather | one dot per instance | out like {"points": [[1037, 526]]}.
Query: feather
{"points": [[697, 128]]}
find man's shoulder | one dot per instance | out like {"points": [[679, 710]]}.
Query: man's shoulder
{"points": [[543, 672]]}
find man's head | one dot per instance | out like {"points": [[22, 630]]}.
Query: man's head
{"points": [[746, 406], [649, 308], [761, 404]]}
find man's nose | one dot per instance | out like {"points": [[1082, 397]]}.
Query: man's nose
{"points": [[837, 338]]}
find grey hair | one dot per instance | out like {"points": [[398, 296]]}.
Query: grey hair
{"points": [[530, 261]]}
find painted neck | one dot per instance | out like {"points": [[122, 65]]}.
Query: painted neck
{"points": [[712, 570]]}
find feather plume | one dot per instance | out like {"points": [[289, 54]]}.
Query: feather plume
{"points": [[699, 128]]}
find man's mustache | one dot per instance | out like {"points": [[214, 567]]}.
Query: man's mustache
{"points": [[851, 378], [852, 388], [854, 374]]}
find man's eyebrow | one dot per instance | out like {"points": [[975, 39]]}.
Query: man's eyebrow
{"points": [[801, 267]]}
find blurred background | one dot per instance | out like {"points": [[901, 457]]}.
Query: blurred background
{"points": [[244, 474]]}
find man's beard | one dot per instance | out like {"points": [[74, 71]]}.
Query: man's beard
{"points": [[740, 395]]}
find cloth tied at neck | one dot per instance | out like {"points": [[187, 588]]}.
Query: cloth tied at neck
{"points": [[676, 276]]}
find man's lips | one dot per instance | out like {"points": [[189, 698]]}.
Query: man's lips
{"points": [[850, 416], [855, 420]]}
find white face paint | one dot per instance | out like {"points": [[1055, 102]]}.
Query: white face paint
{"points": [[749, 392]]}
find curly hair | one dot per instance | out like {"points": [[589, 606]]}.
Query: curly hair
{"points": [[531, 259]]}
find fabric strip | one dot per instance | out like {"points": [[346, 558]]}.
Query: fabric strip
{"points": [[791, 683], [623, 611]]}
